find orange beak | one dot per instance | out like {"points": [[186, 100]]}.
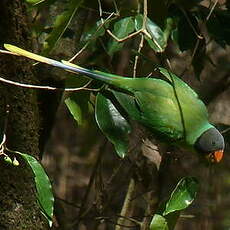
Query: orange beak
{"points": [[215, 157]]}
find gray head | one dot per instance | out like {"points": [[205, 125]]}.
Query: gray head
{"points": [[211, 145]]}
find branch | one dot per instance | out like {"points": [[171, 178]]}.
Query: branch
{"points": [[126, 205], [51, 88]]}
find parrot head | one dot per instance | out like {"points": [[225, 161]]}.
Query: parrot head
{"points": [[211, 145]]}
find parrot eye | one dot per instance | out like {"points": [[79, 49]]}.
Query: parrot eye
{"points": [[213, 143], [209, 141]]}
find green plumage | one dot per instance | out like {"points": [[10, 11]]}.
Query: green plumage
{"points": [[169, 107]]}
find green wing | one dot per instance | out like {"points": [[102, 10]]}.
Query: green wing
{"points": [[152, 105], [193, 110], [161, 114], [177, 82], [171, 109]]}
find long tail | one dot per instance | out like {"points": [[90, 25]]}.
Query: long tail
{"points": [[94, 74]]}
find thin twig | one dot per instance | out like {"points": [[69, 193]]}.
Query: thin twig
{"points": [[93, 37], [137, 56], [225, 130], [125, 38], [198, 38], [82, 212], [51, 88], [114, 174], [142, 30], [130, 219], [211, 10], [2, 144], [94, 10], [8, 52], [116, 8], [195, 49], [169, 64], [191, 25], [145, 13], [100, 10], [127, 203]]}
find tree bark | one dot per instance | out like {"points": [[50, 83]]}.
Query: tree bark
{"points": [[18, 206]]}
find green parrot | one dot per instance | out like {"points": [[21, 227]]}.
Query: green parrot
{"points": [[168, 107]]}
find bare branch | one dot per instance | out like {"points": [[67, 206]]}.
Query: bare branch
{"points": [[211, 10], [51, 88], [137, 56]]}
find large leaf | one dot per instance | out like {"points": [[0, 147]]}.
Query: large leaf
{"points": [[158, 40], [169, 211], [122, 28], [158, 223], [182, 196], [43, 186], [112, 124], [61, 23]]}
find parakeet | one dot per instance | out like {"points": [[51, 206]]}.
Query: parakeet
{"points": [[168, 107]]}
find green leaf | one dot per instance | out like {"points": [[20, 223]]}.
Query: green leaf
{"points": [[8, 160], [77, 103], [158, 41], [61, 23], [158, 223], [122, 28], [74, 109], [182, 196], [169, 26], [112, 124], [129, 104], [94, 32], [43, 186]]}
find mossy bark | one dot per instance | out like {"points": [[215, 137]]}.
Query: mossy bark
{"points": [[18, 205]]}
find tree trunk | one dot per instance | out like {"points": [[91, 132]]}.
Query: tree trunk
{"points": [[18, 206]]}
